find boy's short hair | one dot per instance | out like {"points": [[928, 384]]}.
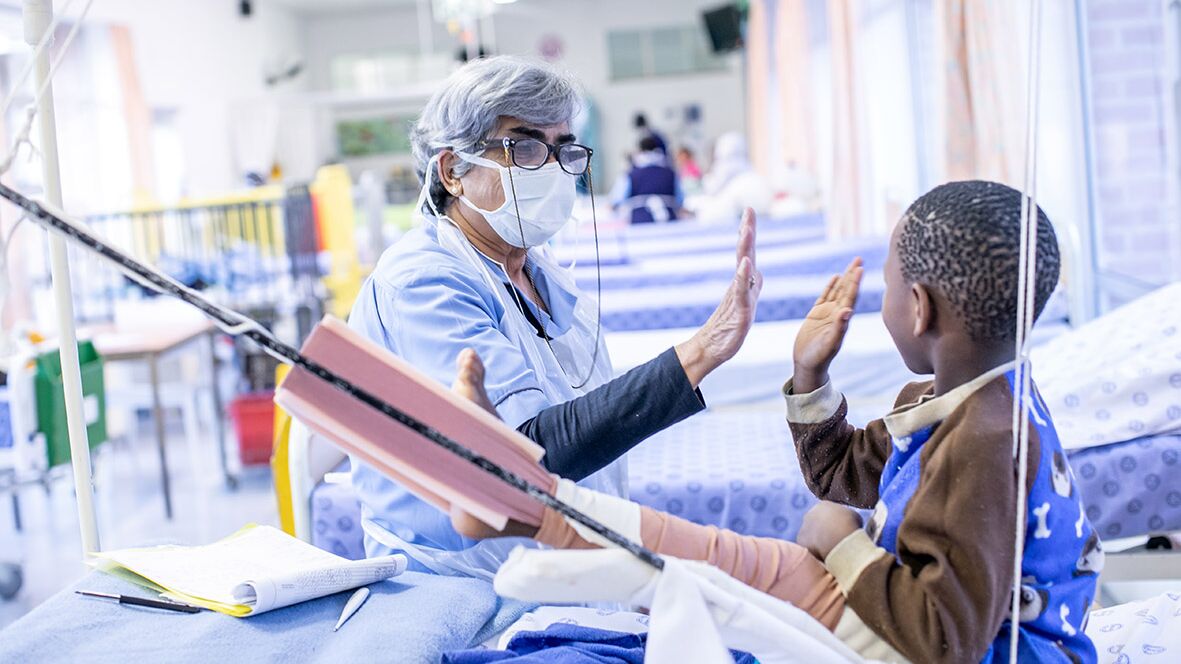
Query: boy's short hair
{"points": [[963, 239]]}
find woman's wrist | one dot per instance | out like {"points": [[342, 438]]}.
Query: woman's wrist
{"points": [[696, 362]]}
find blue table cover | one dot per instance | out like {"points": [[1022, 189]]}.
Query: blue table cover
{"points": [[412, 618]]}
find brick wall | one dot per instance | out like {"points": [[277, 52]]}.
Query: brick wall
{"points": [[1139, 216]]}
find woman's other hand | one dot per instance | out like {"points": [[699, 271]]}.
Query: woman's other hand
{"points": [[722, 335]]}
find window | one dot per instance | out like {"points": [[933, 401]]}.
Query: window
{"points": [[375, 73], [666, 51]]}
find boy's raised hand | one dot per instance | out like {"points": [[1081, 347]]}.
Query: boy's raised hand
{"points": [[824, 329]]}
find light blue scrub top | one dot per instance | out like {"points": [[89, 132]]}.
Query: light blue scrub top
{"points": [[426, 305]]}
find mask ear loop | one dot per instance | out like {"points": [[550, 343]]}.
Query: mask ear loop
{"points": [[590, 182], [598, 272], [457, 324]]}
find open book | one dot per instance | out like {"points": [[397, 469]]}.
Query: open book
{"points": [[256, 569], [428, 470]]}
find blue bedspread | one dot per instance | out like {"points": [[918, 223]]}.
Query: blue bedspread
{"points": [[413, 618]]}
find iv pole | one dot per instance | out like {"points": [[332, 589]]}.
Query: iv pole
{"points": [[38, 14]]}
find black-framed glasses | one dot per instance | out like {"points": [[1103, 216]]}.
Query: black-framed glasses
{"points": [[531, 154]]}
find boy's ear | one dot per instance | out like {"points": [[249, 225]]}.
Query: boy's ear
{"points": [[924, 309]]}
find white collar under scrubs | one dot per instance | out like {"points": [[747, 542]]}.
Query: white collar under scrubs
{"points": [[433, 295]]}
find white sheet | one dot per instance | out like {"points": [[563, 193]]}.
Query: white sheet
{"points": [[1117, 377], [686, 598], [1144, 631]]}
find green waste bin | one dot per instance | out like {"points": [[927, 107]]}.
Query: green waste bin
{"points": [[51, 401]]}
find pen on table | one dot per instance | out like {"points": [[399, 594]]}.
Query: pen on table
{"points": [[351, 606], [143, 601]]}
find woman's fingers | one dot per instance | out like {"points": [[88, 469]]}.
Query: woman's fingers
{"points": [[746, 236]]}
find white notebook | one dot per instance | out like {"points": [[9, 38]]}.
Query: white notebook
{"points": [[256, 569]]}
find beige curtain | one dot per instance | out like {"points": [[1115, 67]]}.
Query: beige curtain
{"points": [[137, 115], [846, 210], [759, 70], [984, 46], [793, 73]]}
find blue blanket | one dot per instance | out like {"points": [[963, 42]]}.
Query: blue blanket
{"points": [[413, 618], [571, 644]]}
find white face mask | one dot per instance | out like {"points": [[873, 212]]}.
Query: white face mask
{"points": [[544, 199]]}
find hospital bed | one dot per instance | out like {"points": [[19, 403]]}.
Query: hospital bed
{"points": [[669, 276]]}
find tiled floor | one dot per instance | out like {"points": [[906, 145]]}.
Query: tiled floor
{"points": [[130, 512]]}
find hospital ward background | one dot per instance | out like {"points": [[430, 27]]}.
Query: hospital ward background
{"points": [[259, 152]]}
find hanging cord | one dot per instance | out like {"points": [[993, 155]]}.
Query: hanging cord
{"points": [[590, 371], [229, 320], [590, 181], [1026, 283], [22, 135]]}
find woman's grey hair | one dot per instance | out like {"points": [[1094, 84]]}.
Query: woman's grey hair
{"points": [[464, 112]]}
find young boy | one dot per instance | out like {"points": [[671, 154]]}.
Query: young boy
{"points": [[932, 571], [931, 574]]}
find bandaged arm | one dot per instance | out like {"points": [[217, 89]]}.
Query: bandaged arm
{"points": [[779, 568], [840, 462]]}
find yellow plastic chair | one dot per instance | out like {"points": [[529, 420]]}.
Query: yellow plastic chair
{"points": [[299, 462]]}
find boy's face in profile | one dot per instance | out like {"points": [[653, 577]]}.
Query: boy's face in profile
{"points": [[900, 311]]}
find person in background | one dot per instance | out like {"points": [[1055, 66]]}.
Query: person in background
{"points": [[732, 183], [688, 170], [650, 191], [646, 131]]}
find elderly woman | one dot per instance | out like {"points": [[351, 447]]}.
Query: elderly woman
{"points": [[499, 165]]}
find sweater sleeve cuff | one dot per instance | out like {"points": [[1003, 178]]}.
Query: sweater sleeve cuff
{"points": [[811, 408], [689, 400], [849, 558]]}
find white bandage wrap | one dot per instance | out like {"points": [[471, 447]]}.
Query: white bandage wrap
{"points": [[618, 514], [566, 577]]}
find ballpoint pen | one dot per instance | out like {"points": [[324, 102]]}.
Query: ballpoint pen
{"points": [[143, 601]]}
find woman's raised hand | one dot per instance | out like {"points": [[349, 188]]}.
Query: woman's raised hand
{"points": [[722, 335]]}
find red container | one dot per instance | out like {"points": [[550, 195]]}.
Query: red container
{"points": [[254, 423]]}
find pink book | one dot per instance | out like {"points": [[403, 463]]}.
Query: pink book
{"points": [[429, 471]]}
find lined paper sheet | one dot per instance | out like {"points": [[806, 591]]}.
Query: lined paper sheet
{"points": [[256, 569]]}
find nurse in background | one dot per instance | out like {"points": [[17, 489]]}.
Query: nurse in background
{"points": [[499, 165]]}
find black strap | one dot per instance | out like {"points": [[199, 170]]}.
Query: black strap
{"points": [[527, 311]]}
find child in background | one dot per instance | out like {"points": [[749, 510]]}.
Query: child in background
{"points": [[929, 578]]}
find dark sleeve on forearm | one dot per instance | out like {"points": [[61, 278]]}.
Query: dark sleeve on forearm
{"points": [[585, 434]]}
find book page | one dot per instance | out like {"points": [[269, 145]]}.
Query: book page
{"points": [[277, 591], [212, 573]]}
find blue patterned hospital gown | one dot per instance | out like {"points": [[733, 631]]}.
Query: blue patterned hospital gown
{"points": [[1062, 551]]}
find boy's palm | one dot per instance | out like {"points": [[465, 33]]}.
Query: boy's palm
{"points": [[824, 328]]}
